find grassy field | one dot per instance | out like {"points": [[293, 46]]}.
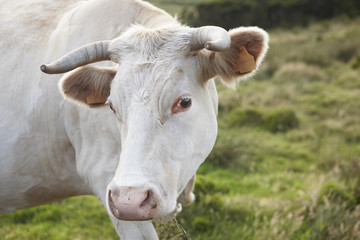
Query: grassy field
{"points": [[286, 164]]}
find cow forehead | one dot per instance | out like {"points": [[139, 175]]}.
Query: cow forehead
{"points": [[151, 45], [152, 75], [154, 66], [156, 84], [153, 58]]}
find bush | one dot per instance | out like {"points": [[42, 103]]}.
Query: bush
{"points": [[278, 120], [225, 151], [281, 120], [332, 194], [238, 213], [204, 186], [356, 62], [201, 224], [24, 216], [247, 117]]}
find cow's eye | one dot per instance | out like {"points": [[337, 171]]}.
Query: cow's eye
{"points": [[182, 104]]}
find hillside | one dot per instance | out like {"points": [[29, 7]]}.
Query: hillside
{"points": [[286, 164]]}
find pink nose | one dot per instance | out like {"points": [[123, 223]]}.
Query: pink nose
{"points": [[132, 204]]}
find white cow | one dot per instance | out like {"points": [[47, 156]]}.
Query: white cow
{"points": [[140, 158]]}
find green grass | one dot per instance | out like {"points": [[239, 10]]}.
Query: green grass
{"points": [[296, 178], [75, 218]]}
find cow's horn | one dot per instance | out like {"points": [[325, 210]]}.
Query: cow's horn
{"points": [[93, 52], [210, 37]]}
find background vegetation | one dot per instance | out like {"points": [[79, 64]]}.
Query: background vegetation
{"points": [[286, 164], [268, 13]]}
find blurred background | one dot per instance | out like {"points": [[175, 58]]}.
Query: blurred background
{"points": [[286, 164]]}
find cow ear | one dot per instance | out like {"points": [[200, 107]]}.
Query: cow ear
{"points": [[87, 85], [248, 48]]}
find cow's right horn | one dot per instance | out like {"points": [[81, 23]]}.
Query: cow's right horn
{"points": [[90, 53], [211, 38]]}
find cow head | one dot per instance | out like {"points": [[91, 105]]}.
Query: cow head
{"points": [[165, 104]]}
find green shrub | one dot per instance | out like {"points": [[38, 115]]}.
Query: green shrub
{"points": [[356, 62], [277, 120], [333, 194], [214, 202], [203, 185], [246, 117], [281, 120], [23, 216], [224, 153], [201, 224], [48, 215], [352, 136], [346, 52], [238, 213]]}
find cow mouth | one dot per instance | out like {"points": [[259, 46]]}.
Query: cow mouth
{"points": [[170, 216]]}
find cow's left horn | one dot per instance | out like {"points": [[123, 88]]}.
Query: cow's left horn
{"points": [[210, 37], [93, 52]]}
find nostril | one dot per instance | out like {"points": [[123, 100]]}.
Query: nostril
{"points": [[149, 201], [110, 198]]}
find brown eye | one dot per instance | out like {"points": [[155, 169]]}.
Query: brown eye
{"points": [[182, 104]]}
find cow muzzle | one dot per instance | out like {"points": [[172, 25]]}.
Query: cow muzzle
{"points": [[132, 203]]}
